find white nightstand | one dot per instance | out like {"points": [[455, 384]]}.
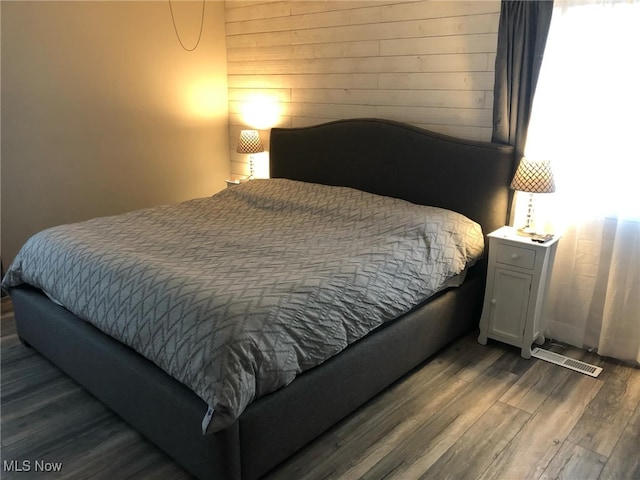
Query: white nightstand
{"points": [[518, 276]]}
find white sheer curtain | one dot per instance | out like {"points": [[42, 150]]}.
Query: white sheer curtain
{"points": [[586, 120]]}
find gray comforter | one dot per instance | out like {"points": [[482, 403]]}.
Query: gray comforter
{"points": [[236, 294]]}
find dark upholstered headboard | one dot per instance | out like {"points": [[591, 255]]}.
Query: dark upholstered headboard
{"points": [[402, 161]]}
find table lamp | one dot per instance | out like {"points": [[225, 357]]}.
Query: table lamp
{"points": [[532, 176], [249, 142]]}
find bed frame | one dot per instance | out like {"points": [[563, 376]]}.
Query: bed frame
{"points": [[378, 156]]}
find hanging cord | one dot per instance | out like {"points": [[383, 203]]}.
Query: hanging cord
{"points": [[175, 28]]}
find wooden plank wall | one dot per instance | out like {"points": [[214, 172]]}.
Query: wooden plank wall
{"points": [[296, 63]]}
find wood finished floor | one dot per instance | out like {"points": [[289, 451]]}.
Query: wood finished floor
{"points": [[472, 412]]}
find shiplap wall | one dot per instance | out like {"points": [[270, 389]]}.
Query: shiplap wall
{"points": [[429, 63]]}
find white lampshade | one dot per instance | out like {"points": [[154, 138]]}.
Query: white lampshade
{"points": [[534, 176], [249, 142]]}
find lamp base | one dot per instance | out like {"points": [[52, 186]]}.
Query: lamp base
{"points": [[526, 231]]}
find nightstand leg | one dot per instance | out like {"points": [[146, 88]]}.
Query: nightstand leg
{"points": [[540, 340], [526, 352]]}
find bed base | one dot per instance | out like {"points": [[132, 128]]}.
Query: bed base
{"points": [[272, 428]]}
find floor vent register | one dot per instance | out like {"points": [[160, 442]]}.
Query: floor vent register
{"points": [[566, 362]]}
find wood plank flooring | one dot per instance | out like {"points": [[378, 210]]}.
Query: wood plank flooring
{"points": [[472, 412]]}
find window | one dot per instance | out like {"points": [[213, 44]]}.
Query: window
{"points": [[586, 111]]}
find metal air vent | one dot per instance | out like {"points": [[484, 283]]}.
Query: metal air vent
{"points": [[566, 362]]}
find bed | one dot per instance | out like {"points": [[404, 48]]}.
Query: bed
{"points": [[375, 156]]}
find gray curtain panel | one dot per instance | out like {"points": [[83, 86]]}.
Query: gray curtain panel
{"points": [[522, 35]]}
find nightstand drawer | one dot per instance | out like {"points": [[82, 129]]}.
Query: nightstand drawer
{"points": [[516, 256]]}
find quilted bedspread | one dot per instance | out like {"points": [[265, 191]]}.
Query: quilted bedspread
{"points": [[236, 294]]}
